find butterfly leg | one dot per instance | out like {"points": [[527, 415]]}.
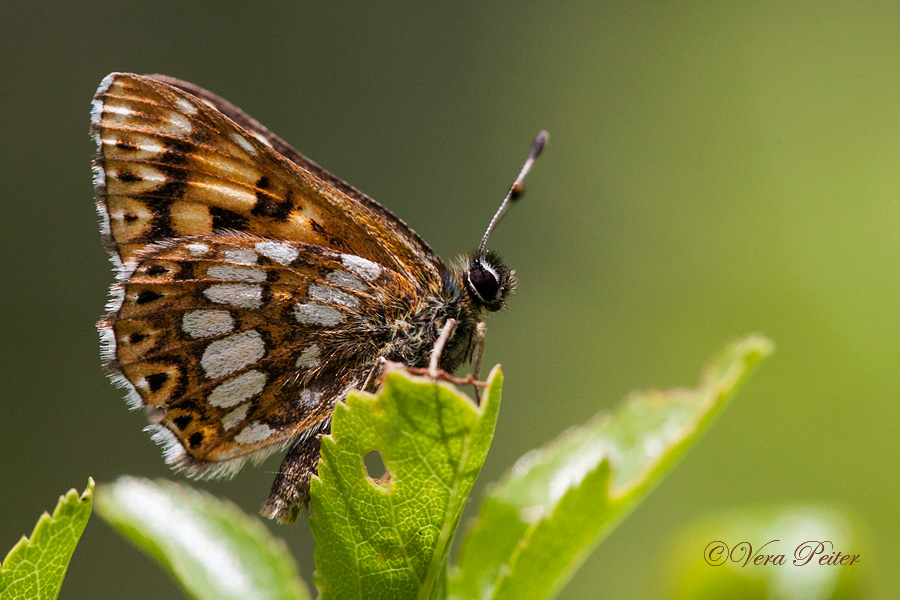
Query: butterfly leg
{"points": [[290, 490], [375, 375], [446, 332], [480, 331]]}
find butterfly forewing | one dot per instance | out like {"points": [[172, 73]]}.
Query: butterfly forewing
{"points": [[421, 251], [172, 165]]}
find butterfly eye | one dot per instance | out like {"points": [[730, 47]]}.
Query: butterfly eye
{"points": [[484, 283], [489, 282]]}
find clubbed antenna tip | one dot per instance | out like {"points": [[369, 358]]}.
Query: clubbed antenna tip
{"points": [[516, 190]]}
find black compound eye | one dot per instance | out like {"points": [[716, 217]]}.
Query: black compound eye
{"points": [[489, 281], [484, 283]]}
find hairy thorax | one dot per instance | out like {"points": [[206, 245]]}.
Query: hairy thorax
{"points": [[413, 335]]}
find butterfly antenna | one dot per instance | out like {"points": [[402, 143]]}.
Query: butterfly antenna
{"points": [[516, 191]]}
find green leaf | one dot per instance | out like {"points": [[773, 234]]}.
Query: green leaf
{"points": [[390, 538], [35, 567], [211, 547], [725, 557], [542, 520]]}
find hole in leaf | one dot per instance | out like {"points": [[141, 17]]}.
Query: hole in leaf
{"points": [[376, 469]]}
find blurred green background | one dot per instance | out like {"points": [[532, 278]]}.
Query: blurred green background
{"points": [[712, 170]]}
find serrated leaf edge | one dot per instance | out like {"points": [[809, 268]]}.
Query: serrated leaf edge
{"points": [[447, 534], [72, 496], [720, 377]]}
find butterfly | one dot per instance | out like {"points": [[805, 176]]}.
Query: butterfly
{"points": [[255, 289]]}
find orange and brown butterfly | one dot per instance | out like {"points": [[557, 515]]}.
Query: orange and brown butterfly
{"points": [[255, 289]]}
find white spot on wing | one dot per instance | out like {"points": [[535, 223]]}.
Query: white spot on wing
{"points": [[232, 419], [310, 398], [232, 354], [254, 433], [243, 142], [346, 280], [329, 294], [207, 323], [241, 256], [237, 389], [232, 273], [229, 193], [198, 249], [241, 295], [186, 105], [117, 109], [316, 314], [148, 173], [277, 251], [179, 124], [362, 267], [309, 358]]}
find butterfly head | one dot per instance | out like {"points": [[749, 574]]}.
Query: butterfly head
{"points": [[489, 281], [487, 278]]}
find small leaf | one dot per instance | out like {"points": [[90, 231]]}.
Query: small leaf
{"points": [[36, 566], [543, 519], [211, 547], [769, 554], [390, 538]]}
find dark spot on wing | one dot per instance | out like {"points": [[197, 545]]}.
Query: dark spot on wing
{"points": [[128, 177], [156, 381], [269, 206], [147, 296], [223, 218], [154, 270], [317, 228]]}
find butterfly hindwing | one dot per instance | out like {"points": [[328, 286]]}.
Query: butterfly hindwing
{"points": [[243, 342]]}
